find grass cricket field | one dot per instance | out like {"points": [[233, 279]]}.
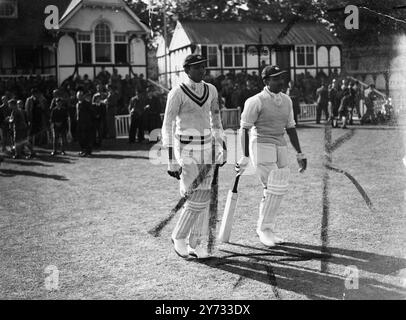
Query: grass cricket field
{"points": [[76, 228]]}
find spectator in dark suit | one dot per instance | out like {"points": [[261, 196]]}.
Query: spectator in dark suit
{"points": [[85, 124], [100, 114], [34, 113], [111, 111], [294, 94], [59, 124], [136, 110], [5, 113], [153, 111], [322, 102]]}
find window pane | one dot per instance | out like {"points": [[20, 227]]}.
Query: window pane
{"points": [[310, 56], [8, 8], [228, 56], [103, 40], [103, 53], [212, 57], [238, 56], [86, 52], [120, 38], [300, 56], [102, 33], [120, 53], [204, 52], [84, 37], [26, 58]]}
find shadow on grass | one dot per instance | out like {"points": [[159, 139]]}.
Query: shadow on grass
{"points": [[276, 267], [45, 156], [310, 125], [72, 150], [27, 163], [116, 156], [13, 173]]}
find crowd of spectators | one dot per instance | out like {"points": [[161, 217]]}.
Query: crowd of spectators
{"points": [[235, 88], [35, 102], [109, 95], [327, 92]]}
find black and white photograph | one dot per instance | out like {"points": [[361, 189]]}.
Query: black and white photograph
{"points": [[230, 151]]}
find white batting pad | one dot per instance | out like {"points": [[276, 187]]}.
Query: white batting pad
{"points": [[278, 184], [187, 218]]}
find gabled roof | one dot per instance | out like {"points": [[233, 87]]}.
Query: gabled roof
{"points": [[202, 32], [28, 28], [75, 5]]}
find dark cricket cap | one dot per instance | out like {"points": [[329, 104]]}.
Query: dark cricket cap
{"points": [[193, 59], [271, 71]]}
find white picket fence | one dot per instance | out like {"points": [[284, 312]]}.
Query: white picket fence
{"points": [[122, 123], [307, 112], [230, 118]]}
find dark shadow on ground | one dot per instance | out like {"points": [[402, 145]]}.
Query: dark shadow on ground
{"points": [[13, 173], [27, 163], [274, 266], [107, 145], [46, 157], [116, 156], [309, 125]]}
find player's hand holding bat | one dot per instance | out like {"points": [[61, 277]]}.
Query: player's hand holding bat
{"points": [[221, 157], [242, 164], [302, 161], [174, 169]]}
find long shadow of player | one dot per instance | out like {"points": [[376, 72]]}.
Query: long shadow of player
{"points": [[278, 267], [117, 156], [26, 163], [13, 173]]}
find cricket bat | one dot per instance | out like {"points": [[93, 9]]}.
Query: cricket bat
{"points": [[229, 210]]}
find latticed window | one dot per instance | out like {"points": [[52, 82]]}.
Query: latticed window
{"points": [[102, 43], [8, 9], [121, 48], [212, 56], [85, 48], [238, 56], [233, 56], [305, 55]]}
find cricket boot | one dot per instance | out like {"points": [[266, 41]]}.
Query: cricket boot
{"points": [[180, 247], [199, 252]]}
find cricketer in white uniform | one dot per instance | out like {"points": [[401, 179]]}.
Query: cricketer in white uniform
{"points": [[268, 115], [191, 122]]}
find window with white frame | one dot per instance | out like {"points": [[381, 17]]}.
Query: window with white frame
{"points": [[212, 58], [102, 43], [121, 48], [8, 9], [233, 56], [305, 56], [84, 48]]}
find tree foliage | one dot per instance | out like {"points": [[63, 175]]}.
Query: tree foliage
{"points": [[373, 23], [374, 20]]}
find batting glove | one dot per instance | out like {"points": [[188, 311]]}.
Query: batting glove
{"points": [[302, 161], [221, 156], [242, 164], [174, 169]]}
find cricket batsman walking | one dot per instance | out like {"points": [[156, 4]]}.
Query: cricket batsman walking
{"points": [[269, 114], [191, 122]]}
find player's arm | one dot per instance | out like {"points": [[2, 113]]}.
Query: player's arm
{"points": [[168, 132], [216, 125], [248, 119], [294, 140]]}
